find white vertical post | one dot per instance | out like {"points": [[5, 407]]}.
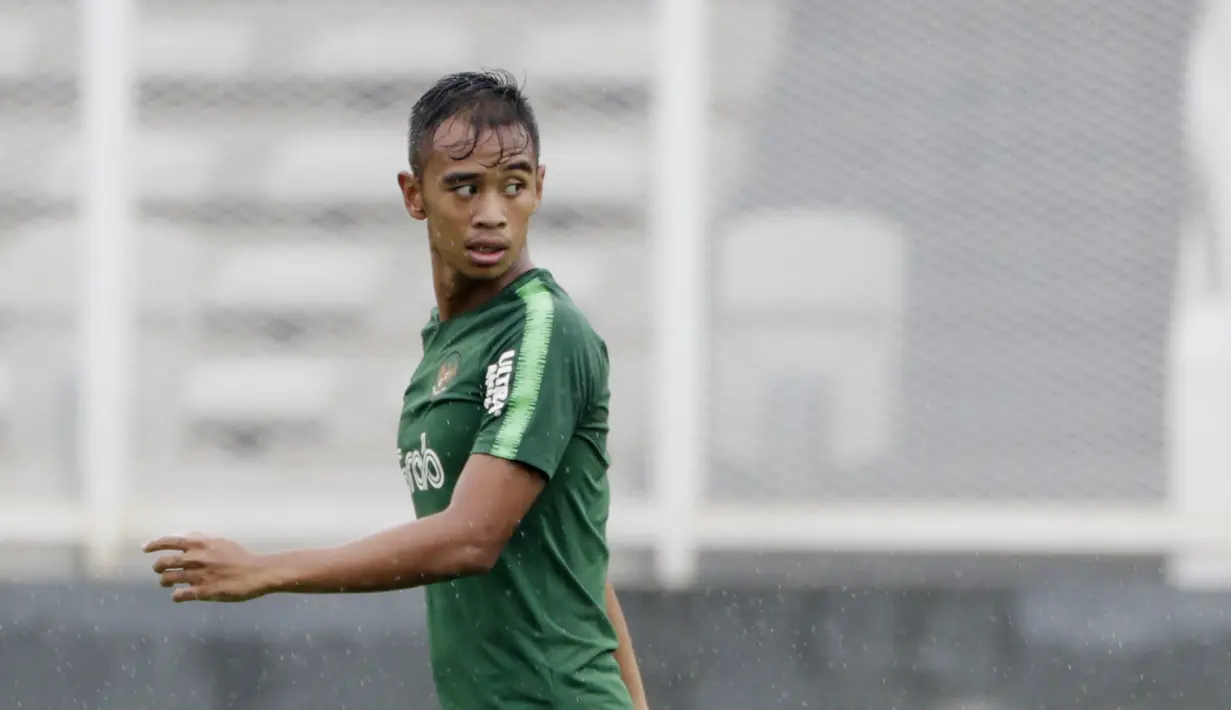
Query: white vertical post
{"points": [[103, 433], [1199, 385], [680, 266]]}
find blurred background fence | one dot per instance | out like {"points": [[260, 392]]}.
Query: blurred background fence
{"points": [[893, 291]]}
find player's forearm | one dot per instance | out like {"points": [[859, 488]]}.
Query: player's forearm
{"points": [[425, 551], [629, 670]]}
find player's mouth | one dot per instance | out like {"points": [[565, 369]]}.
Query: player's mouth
{"points": [[486, 252]]}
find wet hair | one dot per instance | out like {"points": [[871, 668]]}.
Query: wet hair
{"points": [[487, 100]]}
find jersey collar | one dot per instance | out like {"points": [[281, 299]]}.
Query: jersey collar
{"points": [[507, 293]]}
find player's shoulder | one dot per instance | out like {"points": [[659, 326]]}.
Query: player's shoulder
{"points": [[548, 308]]}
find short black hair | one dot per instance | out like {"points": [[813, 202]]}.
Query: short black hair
{"points": [[489, 99]]}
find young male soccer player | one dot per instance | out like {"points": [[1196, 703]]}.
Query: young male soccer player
{"points": [[502, 442]]}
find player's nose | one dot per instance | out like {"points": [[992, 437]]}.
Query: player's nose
{"points": [[488, 213]]}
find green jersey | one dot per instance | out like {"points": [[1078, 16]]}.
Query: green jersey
{"points": [[524, 378]]}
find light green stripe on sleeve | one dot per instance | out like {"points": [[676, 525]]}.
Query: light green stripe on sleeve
{"points": [[531, 362]]}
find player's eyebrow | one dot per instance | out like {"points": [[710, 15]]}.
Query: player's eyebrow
{"points": [[521, 164], [459, 177], [463, 176]]}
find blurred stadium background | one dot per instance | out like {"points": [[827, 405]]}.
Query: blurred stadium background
{"points": [[929, 415]]}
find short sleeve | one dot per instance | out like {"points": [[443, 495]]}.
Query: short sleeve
{"points": [[536, 388]]}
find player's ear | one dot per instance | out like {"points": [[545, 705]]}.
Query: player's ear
{"points": [[412, 194], [539, 174]]}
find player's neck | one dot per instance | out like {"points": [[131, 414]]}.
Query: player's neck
{"points": [[456, 294]]}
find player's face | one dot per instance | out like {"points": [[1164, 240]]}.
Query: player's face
{"points": [[477, 203]]}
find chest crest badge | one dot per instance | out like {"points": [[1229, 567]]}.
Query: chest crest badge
{"points": [[447, 373]]}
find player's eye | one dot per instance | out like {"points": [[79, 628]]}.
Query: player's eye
{"points": [[514, 188], [466, 190]]}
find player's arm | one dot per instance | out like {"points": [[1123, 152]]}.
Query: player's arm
{"points": [[517, 450], [624, 653], [491, 498]]}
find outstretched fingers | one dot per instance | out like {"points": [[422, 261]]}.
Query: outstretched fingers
{"points": [[183, 543]]}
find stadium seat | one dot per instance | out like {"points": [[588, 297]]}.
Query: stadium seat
{"points": [[629, 438], [843, 273], [383, 47], [268, 391], [170, 165], [194, 47], [335, 165], [406, 296], [606, 274], [178, 165], [578, 265], [40, 154], [297, 279], [40, 264], [617, 51], [39, 370], [588, 167], [18, 40], [832, 262], [167, 260]]}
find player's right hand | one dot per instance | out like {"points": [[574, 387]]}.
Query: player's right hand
{"points": [[209, 568]]}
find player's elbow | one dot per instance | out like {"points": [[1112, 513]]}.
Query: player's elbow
{"points": [[477, 558], [477, 549]]}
